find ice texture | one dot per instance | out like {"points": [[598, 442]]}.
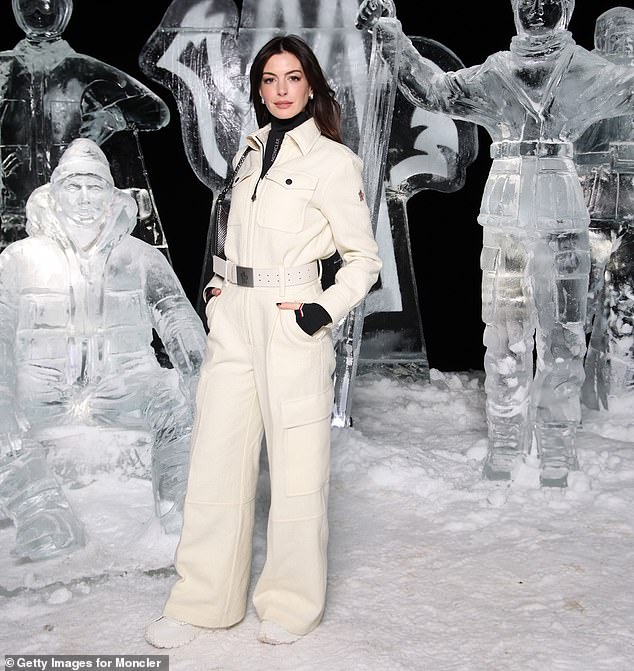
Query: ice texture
{"points": [[426, 151], [80, 298], [50, 95], [534, 100], [605, 163], [202, 51], [379, 108]]}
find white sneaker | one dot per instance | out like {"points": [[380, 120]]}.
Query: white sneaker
{"points": [[164, 632], [273, 634]]}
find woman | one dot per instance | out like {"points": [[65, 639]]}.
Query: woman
{"points": [[297, 198]]}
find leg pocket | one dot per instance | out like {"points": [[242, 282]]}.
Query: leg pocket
{"points": [[488, 264], [306, 424]]}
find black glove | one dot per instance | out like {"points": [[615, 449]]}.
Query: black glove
{"points": [[311, 317]]}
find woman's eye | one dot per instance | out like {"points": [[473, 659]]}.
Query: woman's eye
{"points": [[268, 80]]}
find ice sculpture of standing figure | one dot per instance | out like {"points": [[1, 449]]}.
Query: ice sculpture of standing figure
{"points": [[605, 163], [79, 298], [50, 95], [534, 101]]}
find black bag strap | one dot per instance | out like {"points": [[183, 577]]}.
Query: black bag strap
{"points": [[229, 181], [221, 212]]}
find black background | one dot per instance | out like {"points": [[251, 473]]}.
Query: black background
{"points": [[446, 237]]}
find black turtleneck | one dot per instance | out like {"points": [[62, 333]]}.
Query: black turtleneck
{"points": [[279, 128]]}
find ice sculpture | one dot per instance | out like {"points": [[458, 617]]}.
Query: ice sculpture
{"points": [[49, 95], [605, 163], [535, 101], [79, 299], [202, 51], [379, 107], [426, 151]]}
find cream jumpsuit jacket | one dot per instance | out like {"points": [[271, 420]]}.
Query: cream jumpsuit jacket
{"points": [[262, 373]]}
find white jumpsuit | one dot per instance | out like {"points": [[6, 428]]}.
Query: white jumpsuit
{"points": [[263, 373]]}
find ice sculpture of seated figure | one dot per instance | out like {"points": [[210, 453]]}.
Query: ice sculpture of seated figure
{"points": [[534, 100], [79, 298]]}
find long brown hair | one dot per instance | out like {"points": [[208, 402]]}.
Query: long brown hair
{"points": [[323, 107]]}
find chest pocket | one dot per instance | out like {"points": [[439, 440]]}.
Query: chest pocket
{"points": [[285, 198], [44, 310]]}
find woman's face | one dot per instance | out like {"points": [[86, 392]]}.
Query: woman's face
{"points": [[284, 86]]}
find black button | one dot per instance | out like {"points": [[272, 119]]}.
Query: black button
{"points": [[289, 181]]}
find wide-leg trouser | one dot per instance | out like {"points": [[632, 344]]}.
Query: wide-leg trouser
{"points": [[262, 374], [535, 267]]}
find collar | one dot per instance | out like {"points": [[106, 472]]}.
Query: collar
{"points": [[284, 125], [548, 45], [617, 59], [305, 135], [43, 54]]}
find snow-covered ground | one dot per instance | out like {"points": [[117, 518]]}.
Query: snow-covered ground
{"points": [[431, 568]]}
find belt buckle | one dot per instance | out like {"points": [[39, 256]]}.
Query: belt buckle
{"points": [[244, 276]]}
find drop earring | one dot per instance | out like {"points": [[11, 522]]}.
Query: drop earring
{"points": [[310, 96], [262, 100]]}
